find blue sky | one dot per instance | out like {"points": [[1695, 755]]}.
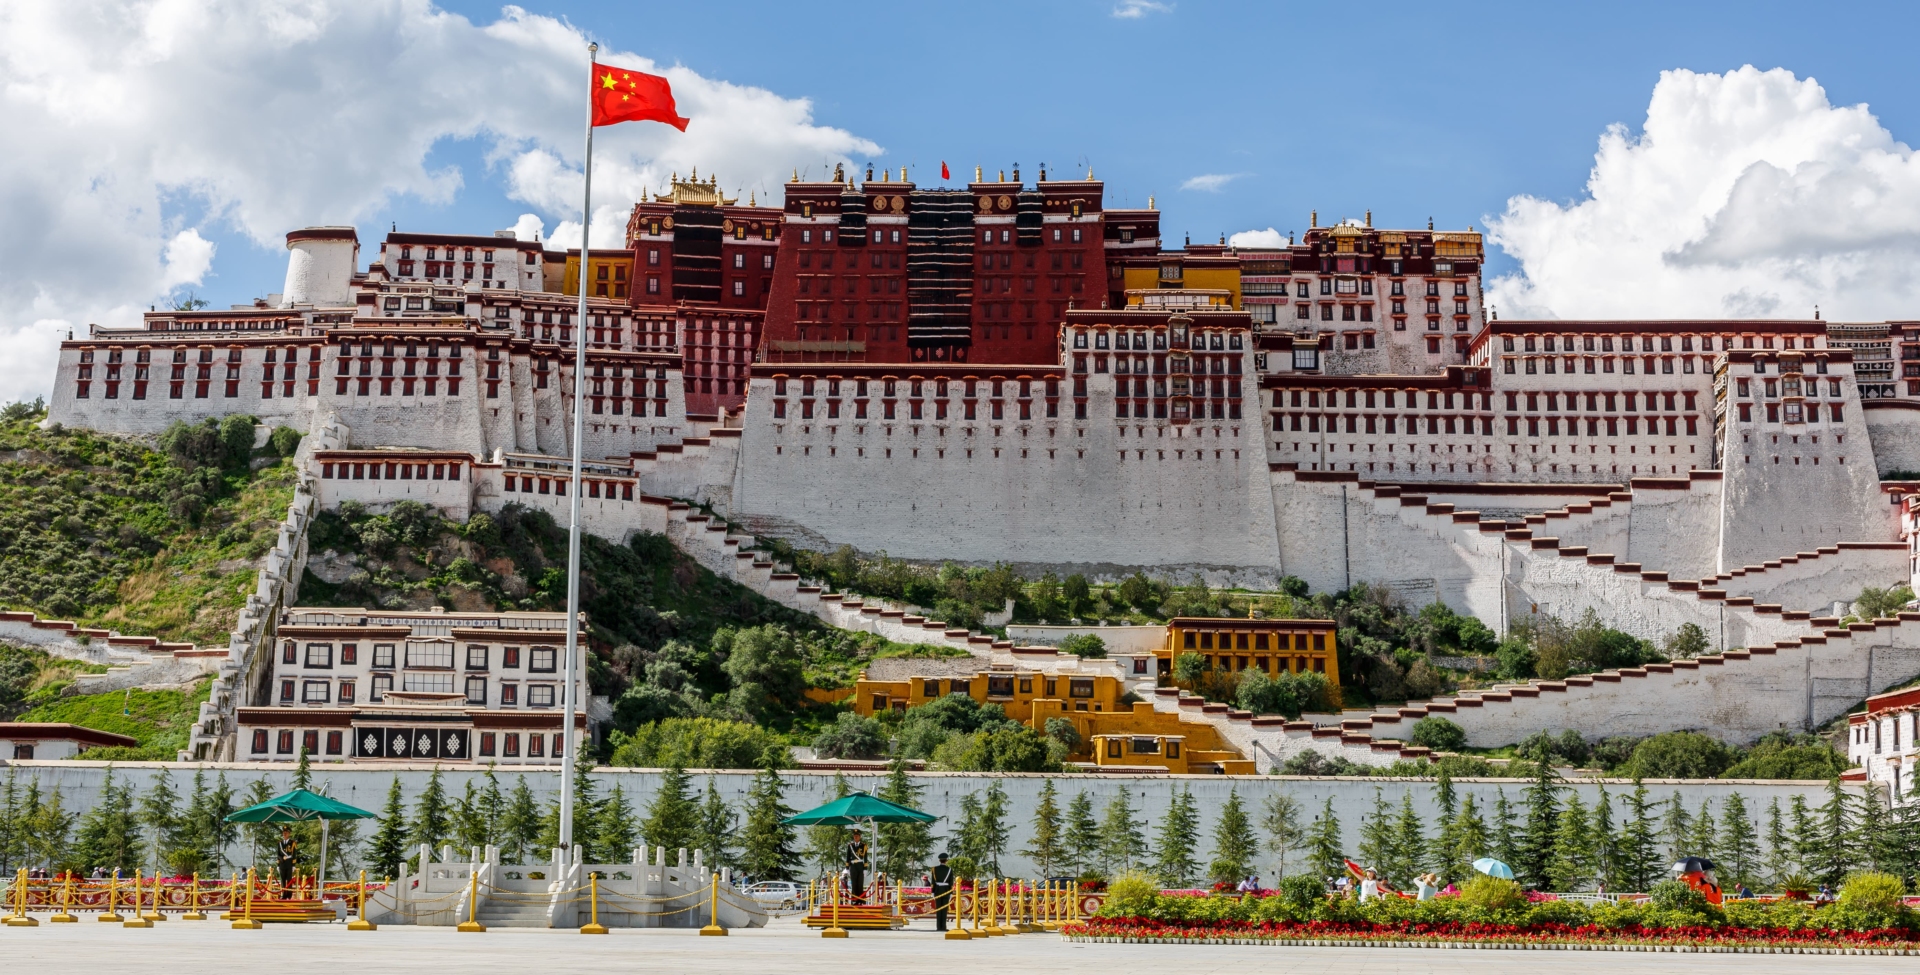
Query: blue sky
{"points": [[1410, 110]]}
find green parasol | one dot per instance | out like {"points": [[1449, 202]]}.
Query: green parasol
{"points": [[301, 806], [856, 808]]}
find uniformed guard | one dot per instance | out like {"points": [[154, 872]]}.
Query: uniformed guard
{"points": [[288, 852], [942, 881], [857, 867]]}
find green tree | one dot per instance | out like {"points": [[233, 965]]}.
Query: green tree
{"points": [[767, 843], [1326, 855], [1679, 755], [1835, 852], [1409, 843], [432, 820], [1676, 828], [1639, 844], [471, 827], [1047, 849], [1571, 864], [1606, 845], [714, 838], [1439, 734], [1469, 841], [1084, 843], [520, 825], [1506, 838], [109, 834], [47, 827], [260, 836], [993, 826], [673, 818], [614, 832], [1178, 837], [160, 819], [204, 830], [1542, 826], [389, 846], [13, 824], [826, 845], [1235, 847], [1281, 820], [1446, 840], [903, 847], [1739, 846], [1779, 848], [1376, 836], [1123, 842], [1806, 835], [1084, 645], [1703, 840]]}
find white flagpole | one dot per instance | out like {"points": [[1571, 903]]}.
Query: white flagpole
{"points": [[568, 697]]}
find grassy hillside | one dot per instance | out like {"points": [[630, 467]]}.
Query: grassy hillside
{"points": [[154, 541]]}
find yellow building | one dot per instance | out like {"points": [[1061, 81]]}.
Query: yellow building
{"points": [[1198, 268], [609, 273], [1269, 646]]}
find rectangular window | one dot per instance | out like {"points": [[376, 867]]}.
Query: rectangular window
{"points": [[540, 695], [510, 658], [488, 744], [382, 683], [383, 656], [349, 654], [346, 692], [541, 660], [259, 741], [435, 655], [536, 746], [284, 744], [512, 746], [476, 657], [427, 683], [320, 655], [509, 695], [315, 691], [477, 690]]}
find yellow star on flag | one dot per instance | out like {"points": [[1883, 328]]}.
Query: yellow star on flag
{"points": [[606, 82]]}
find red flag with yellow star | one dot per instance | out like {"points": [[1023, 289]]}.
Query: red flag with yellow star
{"points": [[620, 95]]}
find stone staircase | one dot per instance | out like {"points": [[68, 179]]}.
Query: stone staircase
{"points": [[498, 913]]}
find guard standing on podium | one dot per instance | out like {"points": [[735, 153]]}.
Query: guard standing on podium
{"points": [[857, 868], [941, 879]]}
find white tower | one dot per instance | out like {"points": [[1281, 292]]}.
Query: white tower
{"points": [[320, 266]]}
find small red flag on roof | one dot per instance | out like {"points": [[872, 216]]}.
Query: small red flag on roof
{"points": [[943, 170], [620, 95]]}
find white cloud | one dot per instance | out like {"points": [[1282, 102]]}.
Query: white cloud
{"points": [[1136, 9], [1258, 238], [1747, 194], [122, 117], [529, 227], [1210, 182]]}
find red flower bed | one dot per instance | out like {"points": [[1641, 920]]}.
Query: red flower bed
{"points": [[1146, 929]]}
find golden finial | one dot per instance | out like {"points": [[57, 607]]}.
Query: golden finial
{"points": [[1149, 201], [796, 175], [869, 172], [976, 174], [903, 174], [1089, 172], [1314, 220], [695, 178], [1003, 177], [886, 175], [1369, 218], [752, 200], [675, 178]]}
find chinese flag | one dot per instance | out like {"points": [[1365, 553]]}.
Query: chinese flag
{"points": [[620, 95], [943, 170]]}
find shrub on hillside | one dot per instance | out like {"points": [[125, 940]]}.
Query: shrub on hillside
{"points": [[1439, 734], [1679, 755], [699, 743], [1087, 646]]}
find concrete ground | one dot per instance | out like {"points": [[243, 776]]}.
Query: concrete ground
{"points": [[786, 948]]}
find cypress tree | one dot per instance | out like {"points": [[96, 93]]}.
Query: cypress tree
{"points": [[1870, 832], [109, 834], [432, 821], [160, 817], [1179, 835], [714, 838], [1676, 828], [1834, 848], [767, 843], [1639, 846], [613, 829], [1084, 845], [1446, 838], [1739, 846], [520, 826], [903, 847], [1806, 836], [1542, 827], [1234, 845], [389, 847], [1571, 866], [1409, 844], [673, 818], [969, 841], [1376, 837], [1123, 843], [1504, 843], [1048, 847], [1326, 855], [1779, 848], [1284, 835], [1703, 840], [471, 827], [1470, 841], [1607, 871], [994, 828]]}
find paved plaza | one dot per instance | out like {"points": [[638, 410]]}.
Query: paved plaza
{"points": [[787, 949]]}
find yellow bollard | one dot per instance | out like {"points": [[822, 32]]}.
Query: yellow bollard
{"points": [[66, 903], [835, 931], [155, 915], [713, 928], [139, 919], [959, 930], [472, 924], [245, 921], [113, 895], [593, 925], [360, 922], [20, 918], [193, 902]]}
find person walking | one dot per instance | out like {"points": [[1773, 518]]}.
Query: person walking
{"points": [[287, 853], [857, 868], [941, 879]]}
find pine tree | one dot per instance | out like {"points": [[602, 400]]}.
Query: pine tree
{"points": [[1326, 855], [903, 847], [1123, 843], [1676, 828], [969, 841], [1284, 835], [1376, 836], [1703, 840], [432, 821], [520, 826], [673, 818], [47, 827], [109, 834], [1806, 836], [1639, 845], [1607, 872], [471, 828], [1542, 826], [1571, 867], [1179, 835], [1779, 848], [1900, 853], [993, 826], [1870, 831], [1739, 846], [1470, 841], [827, 845], [389, 848], [1446, 838], [1409, 844], [13, 825], [493, 806], [767, 844], [714, 838], [1835, 846], [303, 771], [1235, 846], [613, 829], [160, 819], [1048, 848], [260, 836], [1504, 842], [1084, 844], [204, 830]]}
